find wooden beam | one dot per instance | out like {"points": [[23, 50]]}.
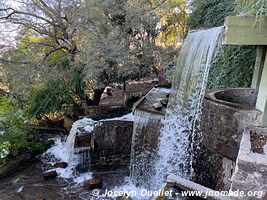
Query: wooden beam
{"points": [[244, 31]]}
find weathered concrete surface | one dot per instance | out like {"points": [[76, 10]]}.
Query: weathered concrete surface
{"points": [[224, 117], [187, 185], [218, 173], [103, 112], [251, 168]]}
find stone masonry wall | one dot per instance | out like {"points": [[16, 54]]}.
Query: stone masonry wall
{"points": [[111, 145], [251, 168], [222, 127]]}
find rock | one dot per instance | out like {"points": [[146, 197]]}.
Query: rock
{"points": [[157, 106], [61, 165], [94, 183], [82, 168], [123, 198], [48, 144], [14, 164], [50, 175], [40, 198], [164, 102]]}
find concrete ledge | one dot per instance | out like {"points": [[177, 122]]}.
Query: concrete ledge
{"points": [[187, 185], [244, 31]]}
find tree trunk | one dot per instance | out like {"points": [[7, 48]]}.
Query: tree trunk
{"points": [[97, 96]]}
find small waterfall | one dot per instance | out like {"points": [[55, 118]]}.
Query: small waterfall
{"points": [[65, 151], [184, 107], [142, 153]]}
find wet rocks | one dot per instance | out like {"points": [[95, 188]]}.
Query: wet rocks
{"points": [[123, 198], [94, 183], [82, 168], [157, 106], [164, 102], [14, 164], [50, 175], [61, 165]]}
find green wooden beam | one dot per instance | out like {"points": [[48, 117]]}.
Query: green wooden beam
{"points": [[244, 31]]}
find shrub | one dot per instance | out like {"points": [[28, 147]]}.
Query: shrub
{"points": [[210, 13], [232, 67], [13, 138], [48, 98], [14, 130]]}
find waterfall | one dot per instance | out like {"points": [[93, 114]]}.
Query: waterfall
{"points": [[184, 108], [142, 153], [65, 151]]}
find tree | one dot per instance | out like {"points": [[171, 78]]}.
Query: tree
{"points": [[173, 22], [86, 45], [122, 43], [54, 19]]}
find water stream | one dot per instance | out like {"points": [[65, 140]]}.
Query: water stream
{"points": [[184, 107]]}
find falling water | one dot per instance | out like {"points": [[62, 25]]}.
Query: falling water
{"points": [[188, 88], [142, 154], [65, 151]]}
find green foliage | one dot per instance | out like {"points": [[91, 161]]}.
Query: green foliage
{"points": [[210, 13], [12, 125], [49, 97], [14, 131], [256, 8], [232, 67]]}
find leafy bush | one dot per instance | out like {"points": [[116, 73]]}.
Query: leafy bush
{"points": [[14, 131], [13, 138], [48, 98], [257, 8], [233, 67], [210, 13]]}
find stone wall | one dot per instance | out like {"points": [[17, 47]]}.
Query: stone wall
{"points": [[251, 167], [103, 112], [111, 145], [225, 115], [222, 125]]}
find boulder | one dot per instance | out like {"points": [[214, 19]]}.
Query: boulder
{"points": [[61, 165], [123, 198], [94, 183], [157, 106], [50, 175], [164, 102]]}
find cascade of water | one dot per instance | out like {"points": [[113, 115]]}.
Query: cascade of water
{"points": [[142, 154], [65, 151], [187, 93], [184, 107]]}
